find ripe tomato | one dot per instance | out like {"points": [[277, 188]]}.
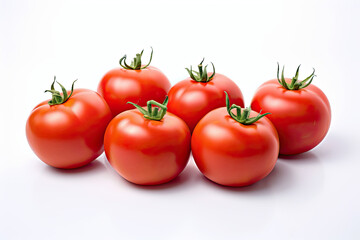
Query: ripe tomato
{"points": [[300, 111], [197, 95], [147, 147], [134, 82], [68, 131], [235, 149]]}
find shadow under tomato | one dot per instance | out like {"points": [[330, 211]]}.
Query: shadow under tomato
{"points": [[337, 145], [95, 165], [304, 177], [280, 178], [333, 146], [306, 156], [179, 181]]}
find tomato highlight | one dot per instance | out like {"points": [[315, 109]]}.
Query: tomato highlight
{"points": [[300, 111], [68, 130], [148, 147], [192, 98], [235, 148], [133, 82]]}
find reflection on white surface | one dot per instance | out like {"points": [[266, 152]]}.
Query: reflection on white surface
{"points": [[312, 196], [97, 194]]}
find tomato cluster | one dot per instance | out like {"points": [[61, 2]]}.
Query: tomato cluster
{"points": [[148, 128]]}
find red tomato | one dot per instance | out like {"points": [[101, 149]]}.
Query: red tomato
{"points": [[197, 95], [136, 83], [301, 116], [233, 151], [69, 134], [147, 149]]}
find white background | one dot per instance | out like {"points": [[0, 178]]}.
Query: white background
{"points": [[310, 196]]}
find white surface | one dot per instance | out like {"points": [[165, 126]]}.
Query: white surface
{"points": [[313, 196]]}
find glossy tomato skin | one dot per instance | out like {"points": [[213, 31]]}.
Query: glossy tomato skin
{"points": [[232, 154], [147, 152], [191, 100], [120, 86], [71, 134], [301, 117]]}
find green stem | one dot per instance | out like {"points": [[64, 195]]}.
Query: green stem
{"points": [[157, 113], [201, 75], [242, 117], [295, 83], [56, 97], [136, 63]]}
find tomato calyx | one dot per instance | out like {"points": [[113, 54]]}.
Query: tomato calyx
{"points": [[57, 98], [295, 83], [136, 63], [242, 117], [157, 113], [201, 75]]}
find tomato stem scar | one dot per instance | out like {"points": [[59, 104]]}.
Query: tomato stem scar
{"points": [[242, 117], [136, 63], [57, 98], [201, 75], [295, 83], [153, 114]]}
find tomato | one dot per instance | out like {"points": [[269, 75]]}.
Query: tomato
{"points": [[299, 110], [235, 149], [68, 131], [135, 82], [147, 147], [202, 92]]}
